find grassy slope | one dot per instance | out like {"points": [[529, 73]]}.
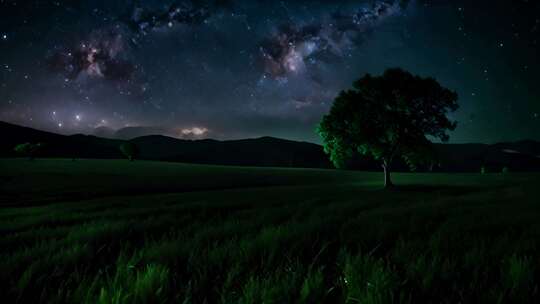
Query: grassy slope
{"points": [[22, 181], [152, 232]]}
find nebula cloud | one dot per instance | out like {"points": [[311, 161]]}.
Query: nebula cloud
{"points": [[104, 55], [291, 45]]}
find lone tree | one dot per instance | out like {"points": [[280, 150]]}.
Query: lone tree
{"points": [[28, 149], [388, 116], [130, 150]]}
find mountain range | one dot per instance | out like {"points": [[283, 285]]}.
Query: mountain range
{"points": [[263, 151]]}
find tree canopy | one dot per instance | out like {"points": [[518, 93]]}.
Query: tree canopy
{"points": [[385, 116]]}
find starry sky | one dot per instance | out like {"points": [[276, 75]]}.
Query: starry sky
{"points": [[229, 69]]}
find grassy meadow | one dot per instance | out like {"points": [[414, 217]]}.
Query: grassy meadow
{"points": [[113, 231]]}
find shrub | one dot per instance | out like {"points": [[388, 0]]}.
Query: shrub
{"points": [[130, 150], [28, 149]]}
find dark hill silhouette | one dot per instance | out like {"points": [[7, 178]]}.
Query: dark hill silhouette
{"points": [[104, 132], [264, 151], [73, 146], [517, 156], [129, 133]]}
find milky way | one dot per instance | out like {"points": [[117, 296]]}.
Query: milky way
{"points": [[144, 20], [101, 55], [335, 35], [239, 68]]}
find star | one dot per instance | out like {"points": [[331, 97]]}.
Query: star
{"points": [[171, 62]]}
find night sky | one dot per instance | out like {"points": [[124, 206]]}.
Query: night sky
{"points": [[247, 68]]}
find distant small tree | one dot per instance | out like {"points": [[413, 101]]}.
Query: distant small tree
{"points": [[28, 149], [505, 170], [388, 116], [130, 150]]}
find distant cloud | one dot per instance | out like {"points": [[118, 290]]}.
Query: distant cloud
{"points": [[194, 131]]}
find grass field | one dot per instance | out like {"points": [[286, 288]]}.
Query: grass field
{"points": [[112, 231]]}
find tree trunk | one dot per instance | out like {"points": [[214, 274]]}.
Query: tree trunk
{"points": [[387, 178]]}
